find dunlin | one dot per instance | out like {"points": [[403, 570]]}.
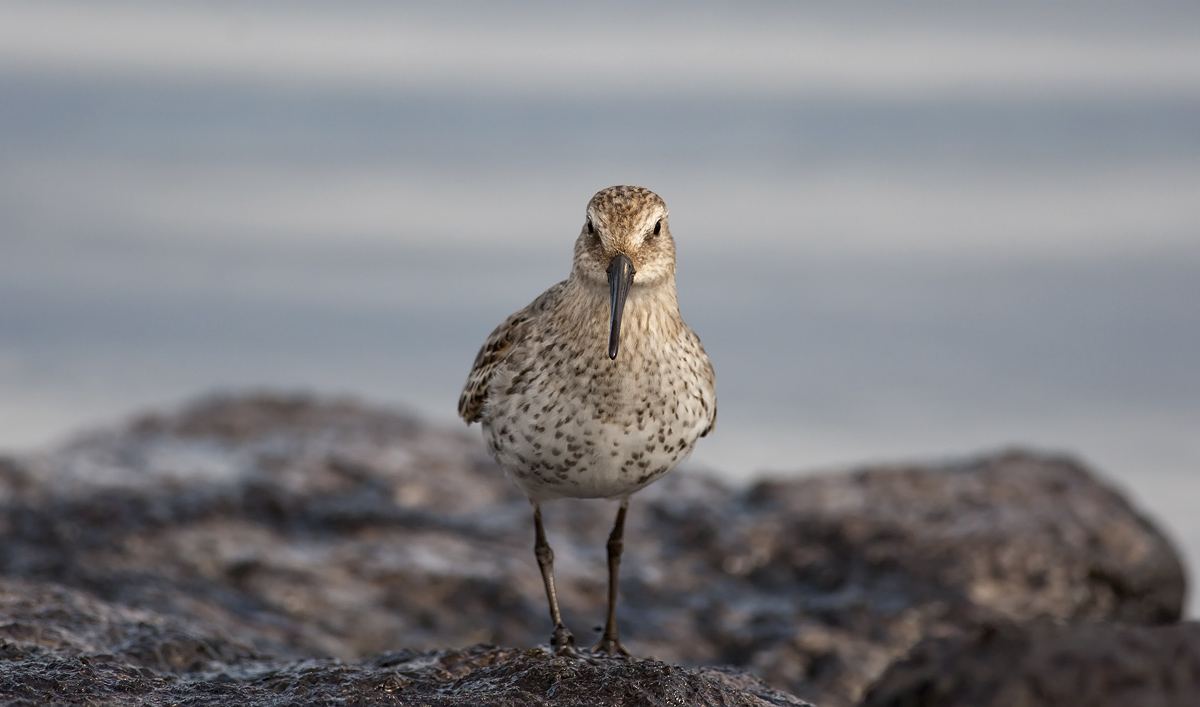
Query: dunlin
{"points": [[597, 388]]}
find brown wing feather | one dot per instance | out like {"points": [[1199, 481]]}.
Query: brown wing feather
{"points": [[493, 353]]}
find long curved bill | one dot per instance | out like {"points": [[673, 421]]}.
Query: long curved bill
{"points": [[620, 277]]}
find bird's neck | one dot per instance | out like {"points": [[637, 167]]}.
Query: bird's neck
{"points": [[594, 295], [651, 311]]}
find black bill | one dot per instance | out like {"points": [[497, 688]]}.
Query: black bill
{"points": [[620, 277]]}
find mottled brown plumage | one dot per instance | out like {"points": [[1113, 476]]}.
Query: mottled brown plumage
{"points": [[591, 393]]}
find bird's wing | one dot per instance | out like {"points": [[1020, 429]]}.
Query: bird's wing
{"points": [[708, 381], [491, 355], [712, 421], [494, 352]]}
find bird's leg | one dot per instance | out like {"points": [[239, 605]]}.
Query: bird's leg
{"points": [[563, 641], [610, 643]]}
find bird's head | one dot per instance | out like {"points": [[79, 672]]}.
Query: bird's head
{"points": [[624, 244]]}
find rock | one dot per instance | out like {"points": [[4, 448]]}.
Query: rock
{"points": [[304, 528], [1047, 664], [892, 554], [46, 619], [60, 646]]}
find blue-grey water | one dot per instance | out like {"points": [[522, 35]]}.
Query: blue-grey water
{"points": [[905, 232]]}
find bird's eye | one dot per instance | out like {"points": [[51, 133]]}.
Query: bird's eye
{"points": [[590, 228], [658, 227]]}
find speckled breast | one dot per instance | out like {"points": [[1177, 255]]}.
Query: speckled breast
{"points": [[573, 423]]}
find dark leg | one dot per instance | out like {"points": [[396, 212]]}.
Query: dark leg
{"points": [[563, 641], [609, 643]]}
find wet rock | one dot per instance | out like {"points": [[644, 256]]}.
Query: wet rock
{"points": [[61, 646], [1046, 664], [887, 555], [40, 618], [306, 528]]}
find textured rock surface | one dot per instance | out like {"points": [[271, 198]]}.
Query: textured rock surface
{"points": [[60, 646], [298, 528], [1042, 664]]}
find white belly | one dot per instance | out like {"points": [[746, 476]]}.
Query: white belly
{"points": [[585, 458]]}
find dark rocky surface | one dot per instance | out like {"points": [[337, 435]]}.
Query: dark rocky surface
{"points": [[61, 646], [1043, 664], [296, 529]]}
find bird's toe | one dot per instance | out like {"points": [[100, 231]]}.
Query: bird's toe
{"points": [[611, 647]]}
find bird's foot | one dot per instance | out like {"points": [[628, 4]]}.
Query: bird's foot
{"points": [[610, 647], [563, 642]]}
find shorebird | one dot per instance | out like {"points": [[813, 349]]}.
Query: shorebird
{"points": [[597, 388]]}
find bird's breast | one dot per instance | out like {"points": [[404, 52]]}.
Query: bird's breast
{"points": [[572, 422]]}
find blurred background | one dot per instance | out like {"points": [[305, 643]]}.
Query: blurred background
{"points": [[905, 230]]}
